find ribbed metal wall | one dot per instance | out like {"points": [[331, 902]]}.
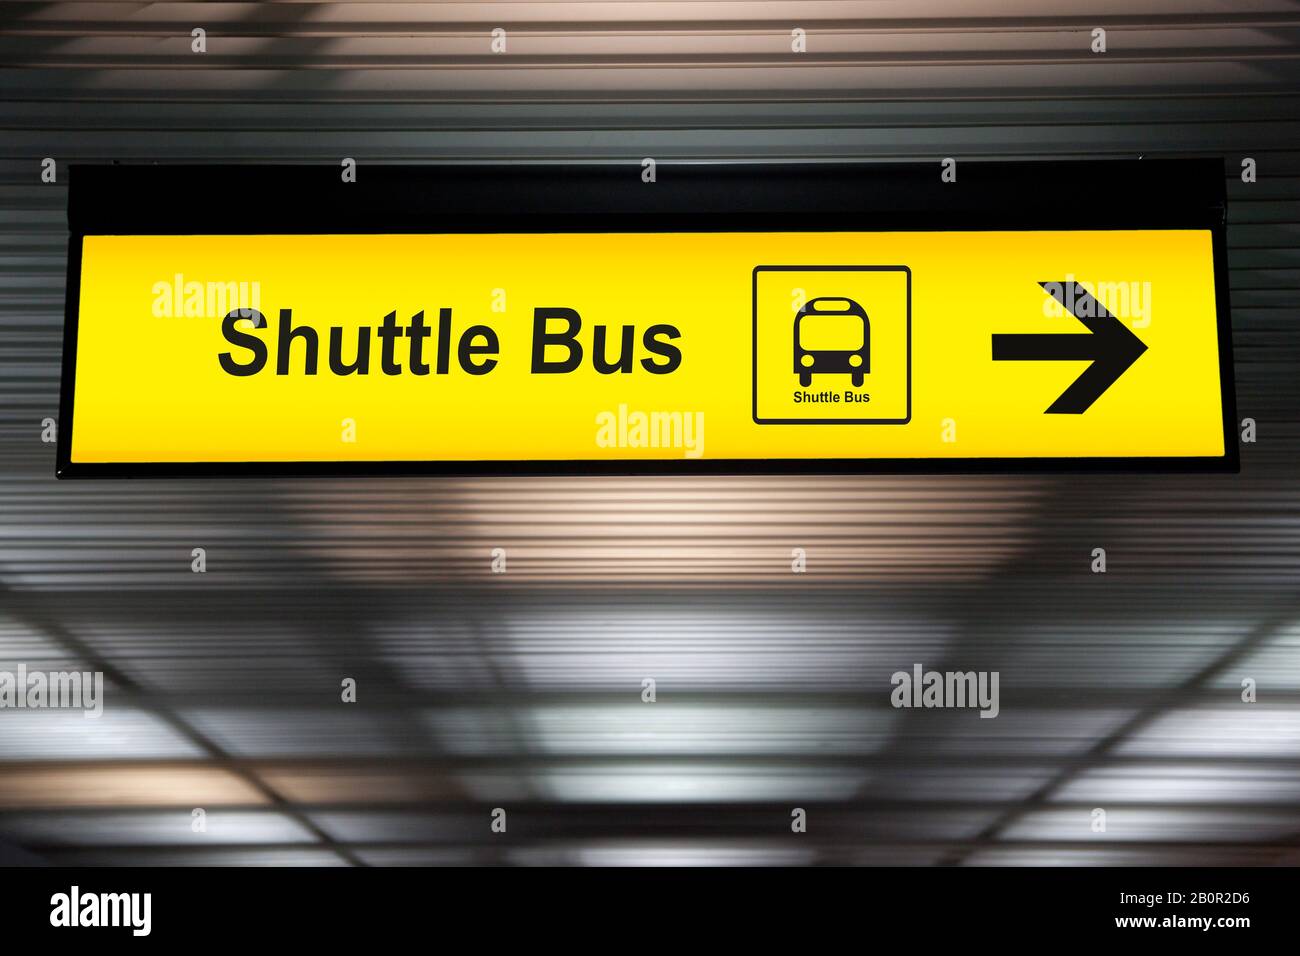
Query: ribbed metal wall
{"points": [[477, 690]]}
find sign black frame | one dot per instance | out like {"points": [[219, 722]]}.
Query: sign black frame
{"points": [[612, 197]]}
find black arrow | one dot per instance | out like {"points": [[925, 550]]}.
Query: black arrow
{"points": [[1109, 343]]}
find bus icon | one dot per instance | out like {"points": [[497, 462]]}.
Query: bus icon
{"points": [[821, 323]]}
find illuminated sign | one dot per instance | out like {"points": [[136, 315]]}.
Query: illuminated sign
{"points": [[641, 339]]}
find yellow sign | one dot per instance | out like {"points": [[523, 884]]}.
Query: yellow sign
{"points": [[966, 346]]}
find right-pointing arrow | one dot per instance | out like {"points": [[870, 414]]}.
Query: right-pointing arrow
{"points": [[1109, 343]]}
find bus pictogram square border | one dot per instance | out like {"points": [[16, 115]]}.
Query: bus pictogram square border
{"points": [[829, 421]]}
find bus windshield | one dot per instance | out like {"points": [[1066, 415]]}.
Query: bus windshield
{"points": [[825, 333]]}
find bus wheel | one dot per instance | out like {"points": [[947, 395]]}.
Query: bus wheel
{"points": [[857, 379], [805, 379]]}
